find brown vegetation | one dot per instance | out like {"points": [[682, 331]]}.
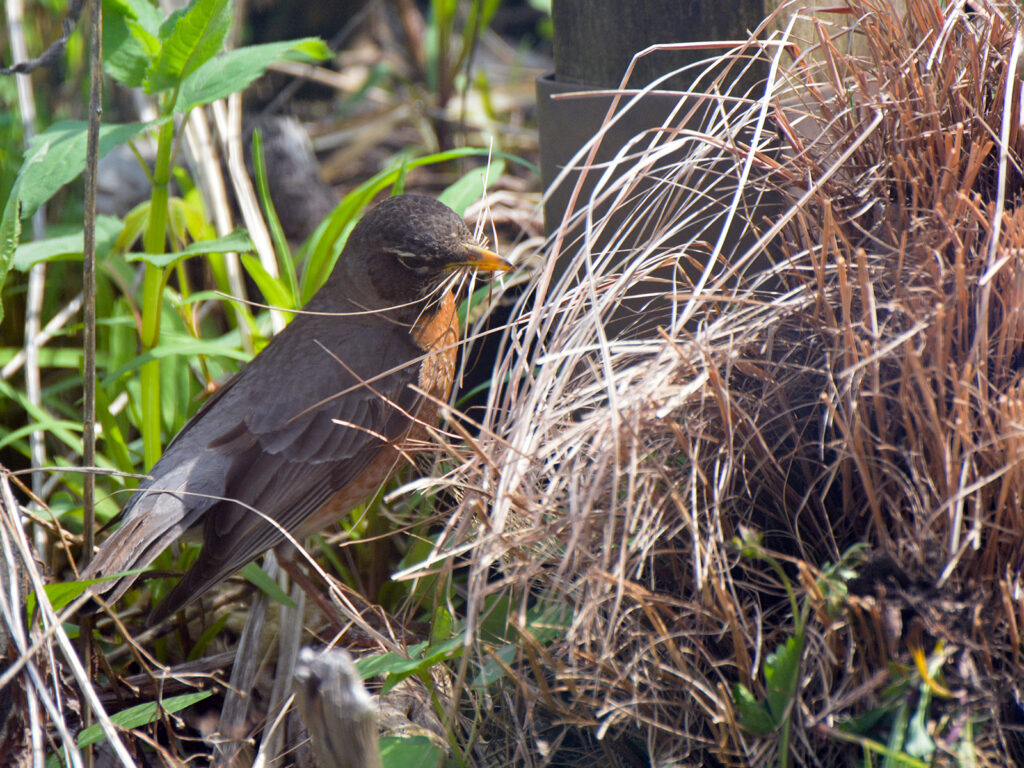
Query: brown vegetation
{"points": [[855, 402]]}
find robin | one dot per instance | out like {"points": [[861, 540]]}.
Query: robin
{"points": [[321, 418]]}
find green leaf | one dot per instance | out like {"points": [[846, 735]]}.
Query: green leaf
{"points": [[208, 636], [72, 439], [285, 264], [450, 649], [57, 156], [494, 668], [898, 731], [68, 246], [273, 288], [863, 724], [195, 37], [60, 594], [548, 620], [45, 425], [10, 232], [259, 578], [234, 70], [781, 674], [113, 438], [172, 346], [410, 752], [236, 241], [379, 664], [129, 40], [496, 618], [141, 714], [443, 624], [754, 715], [470, 188], [919, 742], [48, 357], [385, 663], [145, 12]]}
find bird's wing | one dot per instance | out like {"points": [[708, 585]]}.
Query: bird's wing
{"points": [[289, 434], [268, 440]]}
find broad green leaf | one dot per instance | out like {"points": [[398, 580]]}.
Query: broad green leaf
{"points": [[443, 624], [134, 225], [142, 714], [753, 714], [410, 752], [496, 618], [166, 27], [494, 668], [781, 675], [187, 222], [549, 619], [67, 246], [259, 578], [865, 723], [236, 241], [898, 730], [145, 12], [234, 70], [129, 44], [196, 37], [57, 156], [470, 188]]}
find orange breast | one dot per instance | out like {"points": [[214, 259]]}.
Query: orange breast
{"points": [[437, 334]]}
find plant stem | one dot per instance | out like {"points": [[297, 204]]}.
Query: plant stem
{"points": [[154, 240]]}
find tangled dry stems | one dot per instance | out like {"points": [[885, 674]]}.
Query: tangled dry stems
{"points": [[835, 264], [823, 284]]}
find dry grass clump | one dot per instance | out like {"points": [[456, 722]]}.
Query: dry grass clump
{"points": [[838, 382]]}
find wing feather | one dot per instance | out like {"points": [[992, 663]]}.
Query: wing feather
{"points": [[270, 440]]}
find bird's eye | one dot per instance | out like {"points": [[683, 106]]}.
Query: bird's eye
{"points": [[412, 262], [405, 258]]}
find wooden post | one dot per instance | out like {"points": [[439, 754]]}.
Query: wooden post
{"points": [[594, 42], [339, 714]]}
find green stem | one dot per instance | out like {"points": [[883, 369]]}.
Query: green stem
{"points": [[154, 240], [150, 377]]}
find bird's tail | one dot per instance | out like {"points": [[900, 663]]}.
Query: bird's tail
{"points": [[153, 520]]}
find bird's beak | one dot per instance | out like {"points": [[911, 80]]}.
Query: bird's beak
{"points": [[481, 260]]}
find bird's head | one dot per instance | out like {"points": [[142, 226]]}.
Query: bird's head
{"points": [[408, 246]]}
